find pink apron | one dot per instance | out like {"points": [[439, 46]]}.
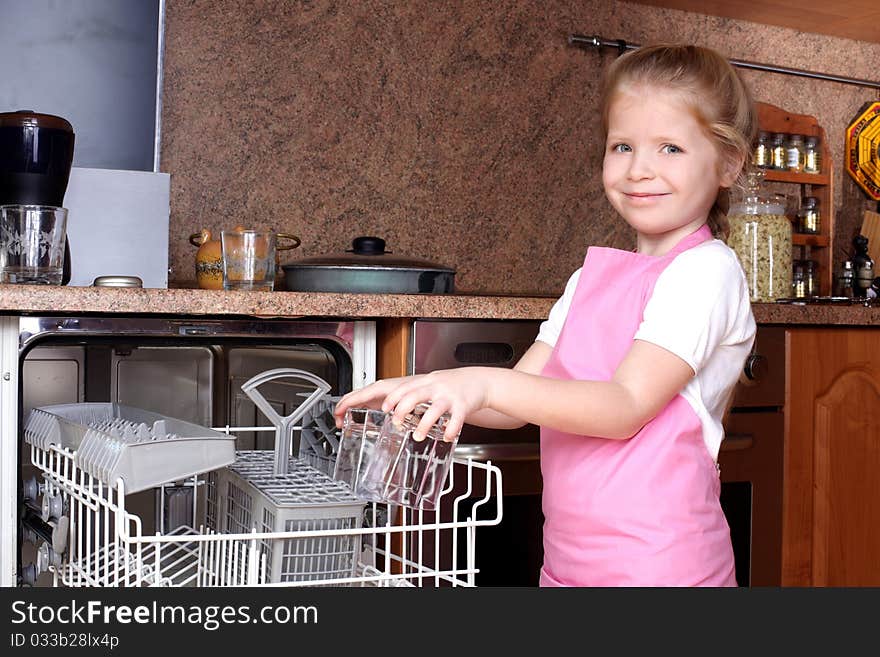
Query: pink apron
{"points": [[637, 512]]}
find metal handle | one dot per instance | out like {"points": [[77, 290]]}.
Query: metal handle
{"points": [[498, 451], [736, 441], [287, 236], [756, 367]]}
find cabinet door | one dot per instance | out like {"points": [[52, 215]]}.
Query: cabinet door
{"points": [[831, 518]]}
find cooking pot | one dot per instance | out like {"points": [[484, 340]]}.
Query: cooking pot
{"points": [[367, 267]]}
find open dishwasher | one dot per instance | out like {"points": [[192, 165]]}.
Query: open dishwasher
{"points": [[251, 504]]}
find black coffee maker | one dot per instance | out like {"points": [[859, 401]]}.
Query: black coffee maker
{"points": [[36, 154]]}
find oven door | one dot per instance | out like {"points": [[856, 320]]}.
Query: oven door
{"points": [[751, 460]]}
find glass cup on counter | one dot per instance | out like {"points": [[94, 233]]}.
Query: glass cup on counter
{"points": [[406, 471], [32, 244], [248, 260], [357, 446]]}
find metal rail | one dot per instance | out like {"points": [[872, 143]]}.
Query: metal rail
{"points": [[622, 46]]}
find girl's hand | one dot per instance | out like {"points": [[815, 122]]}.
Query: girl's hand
{"points": [[458, 392], [370, 396]]}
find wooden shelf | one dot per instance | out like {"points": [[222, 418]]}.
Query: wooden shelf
{"points": [[817, 247], [774, 175], [802, 239]]}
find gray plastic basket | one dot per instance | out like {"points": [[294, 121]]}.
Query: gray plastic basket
{"points": [[144, 449], [250, 495]]}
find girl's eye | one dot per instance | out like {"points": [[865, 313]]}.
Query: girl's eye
{"points": [[621, 148], [671, 148]]}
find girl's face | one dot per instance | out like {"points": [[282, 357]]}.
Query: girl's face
{"points": [[661, 172]]}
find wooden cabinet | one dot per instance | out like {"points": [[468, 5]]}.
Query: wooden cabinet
{"points": [[818, 247], [831, 499]]}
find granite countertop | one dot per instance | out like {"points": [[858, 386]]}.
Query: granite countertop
{"points": [[20, 299], [33, 299]]}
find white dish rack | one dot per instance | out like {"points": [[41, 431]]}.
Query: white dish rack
{"points": [[258, 527]]}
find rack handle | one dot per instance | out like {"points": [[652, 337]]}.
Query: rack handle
{"points": [[283, 425]]}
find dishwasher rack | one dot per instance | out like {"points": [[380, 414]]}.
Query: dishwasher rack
{"points": [[97, 541]]}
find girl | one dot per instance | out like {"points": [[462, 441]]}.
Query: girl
{"points": [[632, 372]]}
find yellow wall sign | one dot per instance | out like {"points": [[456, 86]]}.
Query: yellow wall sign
{"points": [[863, 149]]}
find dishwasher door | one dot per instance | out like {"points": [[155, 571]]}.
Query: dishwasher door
{"points": [[510, 553]]}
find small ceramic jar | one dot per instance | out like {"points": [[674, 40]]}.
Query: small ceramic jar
{"points": [[209, 260]]}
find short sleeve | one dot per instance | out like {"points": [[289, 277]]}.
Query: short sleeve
{"points": [[700, 301], [552, 327]]}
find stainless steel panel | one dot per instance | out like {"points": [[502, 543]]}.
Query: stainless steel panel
{"points": [[34, 329], [443, 344], [175, 381], [52, 375], [446, 344]]}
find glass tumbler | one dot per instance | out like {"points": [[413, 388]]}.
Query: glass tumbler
{"points": [[248, 260], [406, 471], [357, 446], [32, 244]]}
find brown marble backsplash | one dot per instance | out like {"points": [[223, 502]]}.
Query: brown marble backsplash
{"points": [[461, 132]]}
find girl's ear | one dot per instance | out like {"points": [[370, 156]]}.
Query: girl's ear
{"points": [[731, 166]]}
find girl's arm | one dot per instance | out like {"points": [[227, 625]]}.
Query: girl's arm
{"points": [[643, 384], [532, 362], [375, 394]]}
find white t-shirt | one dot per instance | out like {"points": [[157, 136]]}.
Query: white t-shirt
{"points": [[701, 312]]}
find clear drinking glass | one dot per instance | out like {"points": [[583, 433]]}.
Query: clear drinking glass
{"points": [[357, 446], [406, 471], [32, 244], [248, 260]]}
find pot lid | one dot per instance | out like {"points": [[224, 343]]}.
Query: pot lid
{"points": [[29, 118], [367, 252]]}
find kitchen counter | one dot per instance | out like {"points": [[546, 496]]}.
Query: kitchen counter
{"points": [[23, 299], [26, 299]]}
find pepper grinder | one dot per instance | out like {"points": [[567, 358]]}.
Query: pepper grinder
{"points": [[863, 266]]}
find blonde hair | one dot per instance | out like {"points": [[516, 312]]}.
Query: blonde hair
{"points": [[711, 89]]}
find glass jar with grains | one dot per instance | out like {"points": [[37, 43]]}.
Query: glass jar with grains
{"points": [[760, 235]]}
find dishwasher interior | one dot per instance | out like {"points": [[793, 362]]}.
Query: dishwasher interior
{"points": [[243, 524], [192, 371]]}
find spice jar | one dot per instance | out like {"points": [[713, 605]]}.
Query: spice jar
{"points": [[760, 235], [777, 151], [812, 157], [798, 280], [863, 267], [845, 280], [761, 153], [794, 153], [808, 216], [811, 278]]}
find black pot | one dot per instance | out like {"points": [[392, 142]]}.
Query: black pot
{"points": [[369, 269]]}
